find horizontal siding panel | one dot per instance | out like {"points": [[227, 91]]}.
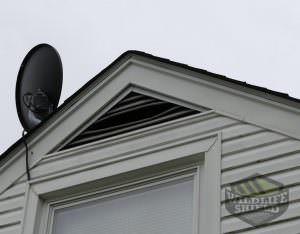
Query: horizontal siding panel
{"points": [[287, 227], [248, 142], [15, 190], [260, 154], [240, 130], [275, 165], [13, 229], [11, 209], [10, 218], [294, 195], [294, 191], [234, 224], [11, 204], [288, 177]]}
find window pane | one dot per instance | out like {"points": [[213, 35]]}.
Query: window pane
{"points": [[167, 209]]}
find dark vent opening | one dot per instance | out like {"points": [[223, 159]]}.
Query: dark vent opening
{"points": [[133, 112]]}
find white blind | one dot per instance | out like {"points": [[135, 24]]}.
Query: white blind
{"points": [[166, 209]]}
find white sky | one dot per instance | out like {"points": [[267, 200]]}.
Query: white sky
{"points": [[257, 41]]}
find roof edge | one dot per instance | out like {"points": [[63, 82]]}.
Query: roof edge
{"points": [[212, 77]]}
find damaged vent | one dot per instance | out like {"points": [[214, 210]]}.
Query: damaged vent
{"points": [[135, 111]]}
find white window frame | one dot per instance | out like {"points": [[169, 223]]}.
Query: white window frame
{"points": [[200, 153], [192, 171]]}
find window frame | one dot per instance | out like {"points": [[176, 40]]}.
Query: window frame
{"points": [[203, 151], [192, 171]]}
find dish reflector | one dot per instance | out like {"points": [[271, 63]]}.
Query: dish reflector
{"points": [[38, 85]]}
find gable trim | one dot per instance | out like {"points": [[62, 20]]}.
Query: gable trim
{"points": [[218, 79], [135, 64]]}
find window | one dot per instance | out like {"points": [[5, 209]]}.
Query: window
{"points": [[164, 208], [170, 183]]}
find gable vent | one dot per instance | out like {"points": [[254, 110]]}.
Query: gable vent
{"points": [[135, 111]]}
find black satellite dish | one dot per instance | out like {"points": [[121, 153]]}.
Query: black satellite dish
{"points": [[38, 85]]}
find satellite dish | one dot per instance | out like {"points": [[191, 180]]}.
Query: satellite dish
{"points": [[38, 85]]}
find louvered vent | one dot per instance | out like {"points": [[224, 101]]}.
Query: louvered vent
{"points": [[135, 111]]}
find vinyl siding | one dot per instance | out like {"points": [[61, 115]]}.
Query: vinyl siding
{"points": [[270, 154], [246, 149], [12, 203]]}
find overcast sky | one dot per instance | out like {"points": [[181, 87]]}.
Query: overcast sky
{"points": [[257, 41]]}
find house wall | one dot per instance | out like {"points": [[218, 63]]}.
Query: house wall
{"points": [[246, 149], [267, 153], [12, 203]]}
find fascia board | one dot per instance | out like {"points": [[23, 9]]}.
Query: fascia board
{"points": [[230, 101]]}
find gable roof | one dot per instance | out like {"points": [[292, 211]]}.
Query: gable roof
{"points": [[279, 97]]}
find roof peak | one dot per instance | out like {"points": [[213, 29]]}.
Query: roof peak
{"points": [[213, 77]]}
